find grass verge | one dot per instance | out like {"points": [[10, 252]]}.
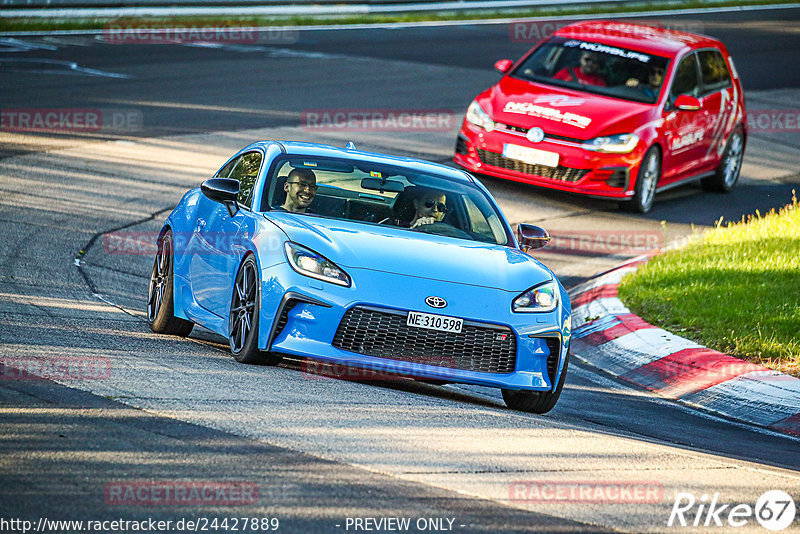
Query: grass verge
{"points": [[735, 289], [20, 24]]}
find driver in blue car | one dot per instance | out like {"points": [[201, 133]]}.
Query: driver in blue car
{"points": [[301, 188], [430, 207]]}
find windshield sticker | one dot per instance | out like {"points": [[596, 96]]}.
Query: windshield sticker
{"points": [[543, 112], [611, 50], [309, 163], [375, 174]]}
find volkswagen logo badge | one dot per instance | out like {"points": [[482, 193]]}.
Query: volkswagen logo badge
{"points": [[436, 302], [535, 135]]}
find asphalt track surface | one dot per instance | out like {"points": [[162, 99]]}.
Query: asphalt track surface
{"points": [[322, 450]]}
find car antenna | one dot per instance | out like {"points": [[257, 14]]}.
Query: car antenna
{"points": [[350, 146]]}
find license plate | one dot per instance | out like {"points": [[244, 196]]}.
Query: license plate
{"points": [[441, 323], [534, 156]]}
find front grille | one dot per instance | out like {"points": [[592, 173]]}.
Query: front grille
{"points": [[618, 178], [384, 334], [523, 130], [566, 174]]}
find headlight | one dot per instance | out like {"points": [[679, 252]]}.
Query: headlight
{"points": [[478, 117], [307, 262], [616, 144], [541, 298]]}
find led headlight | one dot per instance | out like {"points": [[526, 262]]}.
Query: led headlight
{"points": [[541, 298], [615, 144], [307, 262], [478, 117]]}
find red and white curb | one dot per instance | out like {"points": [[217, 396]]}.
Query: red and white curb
{"points": [[607, 335]]}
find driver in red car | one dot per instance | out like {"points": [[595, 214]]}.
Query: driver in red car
{"points": [[586, 73]]}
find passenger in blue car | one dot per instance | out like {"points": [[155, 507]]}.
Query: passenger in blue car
{"points": [[429, 206], [301, 188]]}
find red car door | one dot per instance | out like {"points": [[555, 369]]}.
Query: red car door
{"points": [[684, 129]]}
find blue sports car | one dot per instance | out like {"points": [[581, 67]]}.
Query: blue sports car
{"points": [[364, 260]]}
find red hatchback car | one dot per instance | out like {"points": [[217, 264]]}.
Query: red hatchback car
{"points": [[613, 110]]}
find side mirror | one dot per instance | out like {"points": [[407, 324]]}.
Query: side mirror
{"points": [[503, 66], [687, 103], [222, 190], [532, 237]]}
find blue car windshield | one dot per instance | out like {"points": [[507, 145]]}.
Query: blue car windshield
{"points": [[380, 194], [596, 68]]}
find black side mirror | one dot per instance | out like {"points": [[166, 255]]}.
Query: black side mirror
{"points": [[223, 190], [532, 237]]}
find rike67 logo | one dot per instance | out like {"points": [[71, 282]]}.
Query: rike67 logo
{"points": [[774, 510]]}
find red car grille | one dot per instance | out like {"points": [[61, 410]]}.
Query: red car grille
{"points": [[384, 333], [566, 174]]}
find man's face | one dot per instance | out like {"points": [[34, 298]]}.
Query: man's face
{"points": [[431, 206], [656, 76], [589, 63], [300, 190]]}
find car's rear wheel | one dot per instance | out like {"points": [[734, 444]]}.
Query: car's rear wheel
{"points": [[244, 317], [727, 173], [646, 182], [536, 401], [160, 294]]}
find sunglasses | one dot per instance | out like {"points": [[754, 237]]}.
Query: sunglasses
{"points": [[301, 185], [439, 206]]}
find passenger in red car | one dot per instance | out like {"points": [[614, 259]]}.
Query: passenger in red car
{"points": [[586, 73]]}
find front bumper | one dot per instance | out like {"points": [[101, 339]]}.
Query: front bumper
{"points": [[301, 317], [579, 170]]}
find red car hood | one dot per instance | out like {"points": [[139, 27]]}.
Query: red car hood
{"points": [[562, 111]]}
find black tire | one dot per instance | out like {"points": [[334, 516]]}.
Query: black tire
{"points": [[244, 317], [646, 182], [539, 402], [160, 293], [727, 173]]}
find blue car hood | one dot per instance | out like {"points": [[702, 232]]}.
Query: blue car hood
{"points": [[395, 250]]}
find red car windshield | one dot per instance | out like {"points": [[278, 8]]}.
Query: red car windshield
{"points": [[596, 68]]}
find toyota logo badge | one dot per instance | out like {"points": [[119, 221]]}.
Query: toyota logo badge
{"points": [[436, 302], [535, 135]]}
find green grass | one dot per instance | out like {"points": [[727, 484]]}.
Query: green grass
{"points": [[76, 23], [735, 289]]}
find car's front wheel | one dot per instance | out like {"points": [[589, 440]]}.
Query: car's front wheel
{"points": [[536, 401], [730, 165], [160, 294], [244, 317], [646, 182]]}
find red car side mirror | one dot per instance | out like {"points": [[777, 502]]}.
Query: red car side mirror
{"points": [[687, 103], [503, 66]]}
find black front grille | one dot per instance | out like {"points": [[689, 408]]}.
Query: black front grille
{"points": [[523, 130], [385, 334], [618, 178], [283, 316], [567, 174]]}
